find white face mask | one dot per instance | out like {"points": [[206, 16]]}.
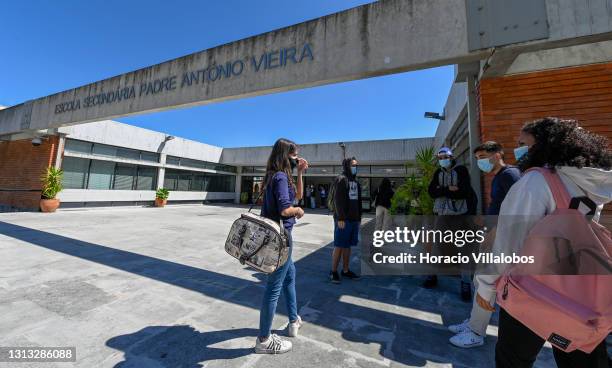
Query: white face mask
{"points": [[445, 163], [354, 170], [485, 165], [519, 152]]}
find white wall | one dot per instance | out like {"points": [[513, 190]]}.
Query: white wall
{"points": [[123, 135], [94, 195], [455, 104]]}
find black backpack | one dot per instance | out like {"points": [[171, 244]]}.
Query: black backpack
{"points": [[331, 197]]}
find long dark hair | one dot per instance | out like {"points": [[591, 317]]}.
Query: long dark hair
{"points": [[562, 142], [279, 160], [385, 186]]}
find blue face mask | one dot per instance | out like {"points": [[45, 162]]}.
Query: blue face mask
{"points": [[445, 162], [354, 170], [485, 165], [520, 152]]}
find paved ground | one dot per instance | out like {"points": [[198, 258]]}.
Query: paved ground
{"points": [[150, 287]]}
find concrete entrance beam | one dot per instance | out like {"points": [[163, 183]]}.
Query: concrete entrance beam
{"points": [[385, 37]]}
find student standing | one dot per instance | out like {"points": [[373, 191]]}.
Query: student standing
{"points": [[309, 194], [323, 196], [454, 200], [280, 191], [583, 162], [490, 156], [347, 218], [382, 202]]}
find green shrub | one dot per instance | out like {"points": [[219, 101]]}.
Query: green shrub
{"points": [[51, 183], [162, 193], [412, 197]]}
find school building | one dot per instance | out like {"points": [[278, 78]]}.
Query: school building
{"points": [[514, 63]]}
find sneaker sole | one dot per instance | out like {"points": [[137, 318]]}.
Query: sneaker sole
{"points": [[467, 346], [271, 352]]}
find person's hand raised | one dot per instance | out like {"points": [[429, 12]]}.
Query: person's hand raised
{"points": [[302, 164]]}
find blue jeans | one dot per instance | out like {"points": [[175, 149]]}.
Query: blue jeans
{"points": [[283, 279]]}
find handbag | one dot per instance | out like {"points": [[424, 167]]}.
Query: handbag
{"points": [[258, 241]]}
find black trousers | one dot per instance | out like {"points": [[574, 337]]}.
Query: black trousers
{"points": [[518, 347]]}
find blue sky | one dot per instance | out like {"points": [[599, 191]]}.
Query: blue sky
{"points": [[50, 46]]}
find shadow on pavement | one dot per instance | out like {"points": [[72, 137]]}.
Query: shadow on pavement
{"points": [[177, 346], [407, 322]]}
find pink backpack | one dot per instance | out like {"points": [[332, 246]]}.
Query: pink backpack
{"points": [[565, 296]]}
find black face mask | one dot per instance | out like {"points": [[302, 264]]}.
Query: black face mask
{"points": [[294, 162]]}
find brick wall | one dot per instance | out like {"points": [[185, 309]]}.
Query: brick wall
{"points": [[21, 166], [506, 103]]}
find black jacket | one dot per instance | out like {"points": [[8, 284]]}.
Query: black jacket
{"points": [[383, 198], [464, 184], [347, 209]]}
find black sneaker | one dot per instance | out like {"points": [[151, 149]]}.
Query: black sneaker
{"points": [[334, 277], [350, 275], [430, 282], [466, 292]]}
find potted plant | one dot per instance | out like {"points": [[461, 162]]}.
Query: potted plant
{"points": [[51, 185], [161, 197], [244, 197], [412, 197]]}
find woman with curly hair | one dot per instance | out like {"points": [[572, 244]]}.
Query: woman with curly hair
{"points": [[583, 161]]}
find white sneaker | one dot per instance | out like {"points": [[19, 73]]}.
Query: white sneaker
{"points": [[467, 340], [293, 327], [273, 345], [461, 327]]}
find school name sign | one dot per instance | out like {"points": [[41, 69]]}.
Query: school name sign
{"points": [[199, 78]]}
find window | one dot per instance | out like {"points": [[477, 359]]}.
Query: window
{"points": [[149, 156], [124, 177], [104, 150], [172, 160], [147, 178], [77, 146], [389, 170], [80, 173], [222, 183], [128, 154], [326, 170], [170, 179], [75, 172], [194, 163], [100, 174], [221, 167], [199, 183], [182, 180]]}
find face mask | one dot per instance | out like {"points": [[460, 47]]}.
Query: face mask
{"points": [[485, 165], [294, 162], [354, 170], [445, 162], [520, 152]]}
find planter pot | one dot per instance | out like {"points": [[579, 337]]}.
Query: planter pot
{"points": [[49, 205], [160, 202]]}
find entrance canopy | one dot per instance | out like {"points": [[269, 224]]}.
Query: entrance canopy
{"points": [[388, 36]]}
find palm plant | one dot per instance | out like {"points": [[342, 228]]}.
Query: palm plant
{"points": [[51, 183], [162, 193], [412, 197]]}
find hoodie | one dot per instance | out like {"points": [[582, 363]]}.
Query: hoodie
{"points": [[530, 199]]}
